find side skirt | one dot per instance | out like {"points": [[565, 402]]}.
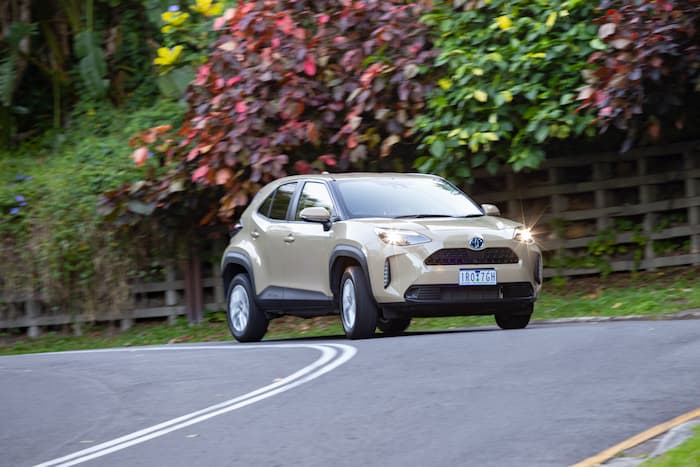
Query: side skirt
{"points": [[278, 301]]}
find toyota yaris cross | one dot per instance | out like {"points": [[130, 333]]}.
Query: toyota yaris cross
{"points": [[378, 249]]}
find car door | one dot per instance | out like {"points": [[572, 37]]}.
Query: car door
{"points": [[271, 234], [309, 246]]}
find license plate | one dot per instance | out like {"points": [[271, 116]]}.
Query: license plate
{"points": [[477, 277]]}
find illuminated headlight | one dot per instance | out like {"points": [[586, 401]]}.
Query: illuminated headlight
{"points": [[524, 235], [401, 237]]}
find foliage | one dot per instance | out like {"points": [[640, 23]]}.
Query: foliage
{"points": [[11, 70], [510, 73], [186, 39], [51, 241], [311, 83], [648, 71], [67, 52]]}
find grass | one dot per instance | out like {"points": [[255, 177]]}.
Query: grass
{"points": [[687, 454], [647, 293]]}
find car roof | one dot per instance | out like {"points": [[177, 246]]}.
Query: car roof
{"points": [[355, 176]]}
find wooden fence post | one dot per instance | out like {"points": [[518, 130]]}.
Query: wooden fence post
{"points": [[218, 285], [170, 293], [601, 171], [692, 189], [32, 310], [646, 196]]}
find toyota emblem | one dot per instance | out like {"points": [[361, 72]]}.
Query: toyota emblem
{"points": [[477, 242]]}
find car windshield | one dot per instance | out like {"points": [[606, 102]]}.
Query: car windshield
{"points": [[405, 197]]}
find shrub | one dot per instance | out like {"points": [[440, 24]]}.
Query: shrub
{"points": [[306, 84], [648, 75], [509, 77]]}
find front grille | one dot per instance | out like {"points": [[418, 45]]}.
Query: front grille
{"points": [[459, 256], [462, 294]]}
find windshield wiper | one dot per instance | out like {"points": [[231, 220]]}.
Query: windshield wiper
{"points": [[420, 216], [471, 215]]}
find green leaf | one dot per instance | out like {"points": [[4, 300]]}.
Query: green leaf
{"points": [[437, 149], [541, 133], [92, 65], [478, 159]]}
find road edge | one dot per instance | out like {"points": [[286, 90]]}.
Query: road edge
{"points": [[638, 439], [693, 313]]}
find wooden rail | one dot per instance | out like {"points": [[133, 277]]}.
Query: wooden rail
{"points": [[591, 194]]}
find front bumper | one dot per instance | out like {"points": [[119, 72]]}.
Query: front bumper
{"points": [[415, 285]]}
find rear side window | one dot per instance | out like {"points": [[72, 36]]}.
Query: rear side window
{"points": [[276, 205], [265, 207]]}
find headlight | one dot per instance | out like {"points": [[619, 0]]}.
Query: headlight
{"points": [[401, 237], [523, 234]]}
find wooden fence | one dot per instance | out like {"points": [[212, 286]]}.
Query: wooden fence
{"points": [[610, 212], [163, 299]]}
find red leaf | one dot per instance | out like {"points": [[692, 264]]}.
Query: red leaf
{"points": [[140, 156], [302, 167], [323, 19], [192, 154], [328, 159], [241, 108], [200, 173], [223, 176], [285, 24], [232, 81], [309, 66], [219, 23]]}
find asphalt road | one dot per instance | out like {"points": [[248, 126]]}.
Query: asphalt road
{"points": [[549, 395]]}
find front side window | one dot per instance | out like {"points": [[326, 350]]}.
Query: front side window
{"points": [[276, 205], [314, 195], [405, 197]]}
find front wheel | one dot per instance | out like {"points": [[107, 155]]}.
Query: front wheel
{"points": [[358, 312], [393, 326], [246, 321], [518, 320]]}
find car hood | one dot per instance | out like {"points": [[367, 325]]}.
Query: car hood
{"points": [[447, 226]]}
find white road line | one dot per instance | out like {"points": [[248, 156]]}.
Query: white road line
{"points": [[325, 363]]}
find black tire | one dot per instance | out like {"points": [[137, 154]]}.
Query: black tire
{"points": [[254, 326], [393, 326], [516, 320], [364, 321]]}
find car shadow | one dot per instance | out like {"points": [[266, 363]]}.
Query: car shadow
{"points": [[380, 335]]}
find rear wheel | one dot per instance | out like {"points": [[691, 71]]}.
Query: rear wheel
{"points": [[517, 320], [246, 321], [358, 312], [393, 326]]}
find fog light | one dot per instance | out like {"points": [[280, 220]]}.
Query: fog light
{"points": [[387, 273]]}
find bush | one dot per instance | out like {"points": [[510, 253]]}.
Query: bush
{"points": [[647, 78], [510, 72], [52, 244], [308, 85]]}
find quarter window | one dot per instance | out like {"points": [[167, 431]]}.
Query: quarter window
{"points": [[314, 195]]}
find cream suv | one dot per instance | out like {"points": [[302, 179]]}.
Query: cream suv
{"points": [[378, 249]]}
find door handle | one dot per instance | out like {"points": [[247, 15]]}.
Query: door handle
{"points": [[255, 234], [289, 238]]}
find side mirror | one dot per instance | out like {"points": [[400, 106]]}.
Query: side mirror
{"points": [[491, 210], [318, 215]]}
